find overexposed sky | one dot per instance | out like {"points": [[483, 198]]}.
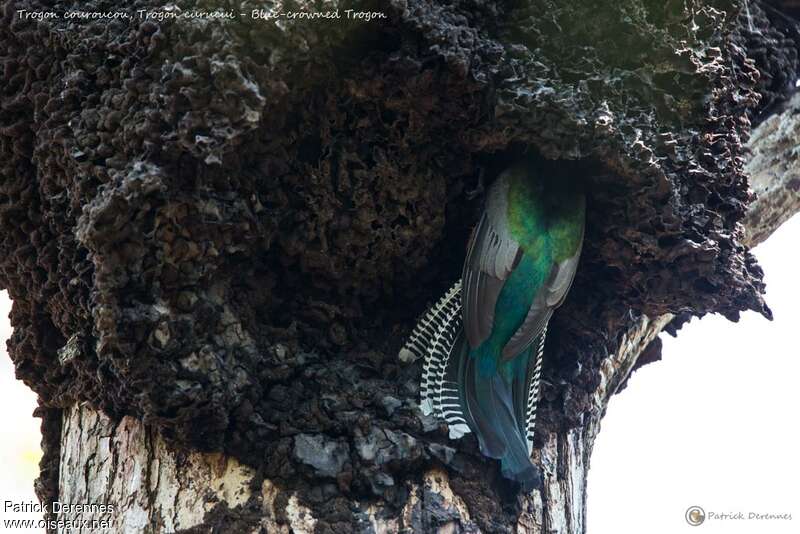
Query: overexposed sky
{"points": [[714, 424], [19, 433]]}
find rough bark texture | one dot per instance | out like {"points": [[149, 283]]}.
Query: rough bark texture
{"points": [[774, 169], [151, 487], [158, 489], [224, 230], [790, 7]]}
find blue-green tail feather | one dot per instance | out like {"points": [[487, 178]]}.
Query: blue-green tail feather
{"points": [[496, 400]]}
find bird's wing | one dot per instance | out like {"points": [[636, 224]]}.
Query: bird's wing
{"points": [[492, 256], [549, 297]]}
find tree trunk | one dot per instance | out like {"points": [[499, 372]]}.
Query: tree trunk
{"points": [[217, 233], [158, 489]]}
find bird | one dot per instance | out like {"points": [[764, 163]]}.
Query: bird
{"points": [[483, 341]]}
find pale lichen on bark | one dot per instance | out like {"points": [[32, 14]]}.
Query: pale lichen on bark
{"points": [[774, 169], [152, 488]]}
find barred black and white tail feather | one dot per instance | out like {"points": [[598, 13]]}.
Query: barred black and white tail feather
{"points": [[440, 393], [533, 390], [434, 390], [434, 339], [419, 342], [438, 339]]}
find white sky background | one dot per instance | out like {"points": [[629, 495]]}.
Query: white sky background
{"points": [[713, 424], [19, 432]]}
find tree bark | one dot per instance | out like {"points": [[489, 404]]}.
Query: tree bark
{"points": [[158, 489], [217, 232]]}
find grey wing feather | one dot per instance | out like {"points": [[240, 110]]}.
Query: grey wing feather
{"points": [[562, 281], [535, 322], [491, 257], [550, 297]]}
